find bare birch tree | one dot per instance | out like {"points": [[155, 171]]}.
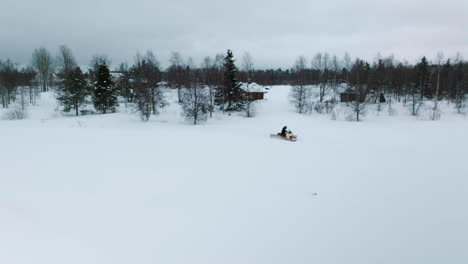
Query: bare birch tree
{"points": [[195, 102], [44, 65], [65, 61], [321, 63], [195, 98], [148, 96], [248, 67], [435, 108], [300, 92], [335, 65], [175, 72], [347, 66], [208, 71], [359, 80]]}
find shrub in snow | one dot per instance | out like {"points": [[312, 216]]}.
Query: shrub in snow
{"points": [[435, 111], [414, 105], [319, 107], [15, 113], [148, 100], [329, 106], [391, 110], [461, 109], [358, 109], [428, 113], [436, 114], [342, 113], [195, 104], [142, 103], [250, 109], [300, 96], [323, 107]]}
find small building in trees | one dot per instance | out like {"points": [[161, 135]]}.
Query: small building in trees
{"points": [[253, 91], [382, 98], [350, 95]]}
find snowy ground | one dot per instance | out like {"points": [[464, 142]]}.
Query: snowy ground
{"points": [[111, 189]]}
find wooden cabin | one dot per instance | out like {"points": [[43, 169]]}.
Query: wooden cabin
{"points": [[253, 96], [349, 95], [253, 91]]}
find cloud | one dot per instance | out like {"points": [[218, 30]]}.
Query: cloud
{"points": [[274, 32]]}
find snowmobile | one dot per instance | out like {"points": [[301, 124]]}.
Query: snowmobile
{"points": [[289, 136]]}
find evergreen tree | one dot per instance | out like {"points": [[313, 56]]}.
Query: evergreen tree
{"points": [[230, 96], [105, 98], [73, 91], [448, 82], [423, 76]]}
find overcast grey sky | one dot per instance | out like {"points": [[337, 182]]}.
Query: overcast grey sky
{"points": [[274, 32]]}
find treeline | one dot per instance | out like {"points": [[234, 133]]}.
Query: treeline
{"points": [[200, 89], [215, 82], [383, 80]]}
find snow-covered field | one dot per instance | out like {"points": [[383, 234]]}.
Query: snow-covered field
{"points": [[110, 189]]}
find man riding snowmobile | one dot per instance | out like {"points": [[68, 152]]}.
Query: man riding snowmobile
{"points": [[284, 131], [285, 134]]}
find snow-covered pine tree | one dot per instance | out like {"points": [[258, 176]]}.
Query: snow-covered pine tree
{"points": [[105, 98], [229, 95], [423, 76], [73, 90]]}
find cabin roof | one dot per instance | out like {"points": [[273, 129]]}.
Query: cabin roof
{"points": [[349, 91], [253, 88]]}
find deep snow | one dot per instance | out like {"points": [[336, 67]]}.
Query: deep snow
{"points": [[110, 189]]}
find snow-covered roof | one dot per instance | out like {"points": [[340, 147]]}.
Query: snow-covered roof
{"points": [[342, 87], [348, 91], [116, 74], [253, 87]]}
